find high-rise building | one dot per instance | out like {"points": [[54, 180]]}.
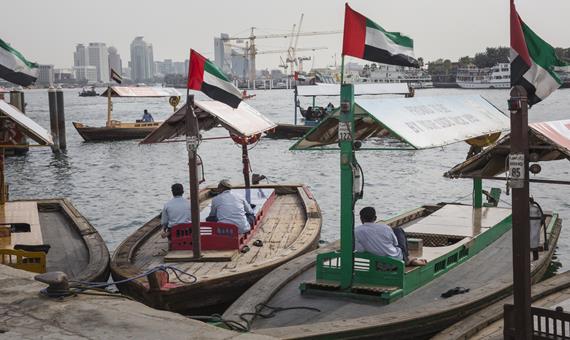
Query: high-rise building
{"points": [[45, 75], [99, 57], [88, 73], [142, 61], [115, 62], [223, 53], [80, 59]]}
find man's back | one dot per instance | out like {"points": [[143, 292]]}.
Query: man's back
{"points": [[229, 208], [175, 211], [378, 239]]}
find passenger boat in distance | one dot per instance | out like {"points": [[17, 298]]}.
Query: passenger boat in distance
{"points": [[42, 235], [287, 225], [88, 92], [314, 113], [335, 292], [118, 130]]}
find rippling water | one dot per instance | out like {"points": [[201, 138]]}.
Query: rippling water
{"points": [[118, 186]]}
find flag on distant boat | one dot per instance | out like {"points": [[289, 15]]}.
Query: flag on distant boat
{"points": [[15, 68], [116, 76], [532, 61], [205, 76], [365, 39]]}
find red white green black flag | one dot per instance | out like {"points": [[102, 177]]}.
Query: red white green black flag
{"points": [[365, 39], [15, 68], [532, 61], [205, 76]]}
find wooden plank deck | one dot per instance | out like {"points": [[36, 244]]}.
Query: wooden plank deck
{"points": [[278, 231], [21, 212]]}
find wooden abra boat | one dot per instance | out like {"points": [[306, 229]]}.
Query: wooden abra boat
{"points": [[47, 234], [117, 130], [288, 226], [51, 235], [313, 114], [461, 252]]}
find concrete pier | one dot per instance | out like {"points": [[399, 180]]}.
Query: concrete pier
{"points": [[25, 314]]}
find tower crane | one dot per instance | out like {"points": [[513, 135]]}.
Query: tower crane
{"points": [[251, 50]]}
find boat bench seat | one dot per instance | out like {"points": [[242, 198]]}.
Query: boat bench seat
{"points": [[20, 224], [223, 236]]}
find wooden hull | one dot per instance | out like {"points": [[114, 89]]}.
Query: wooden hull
{"points": [[76, 247], [288, 131], [91, 134], [488, 275], [221, 283]]}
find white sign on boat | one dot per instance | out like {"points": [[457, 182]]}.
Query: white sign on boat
{"points": [[359, 89], [26, 124], [422, 122]]}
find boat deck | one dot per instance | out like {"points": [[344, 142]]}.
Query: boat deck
{"points": [[278, 231], [75, 247], [341, 316]]}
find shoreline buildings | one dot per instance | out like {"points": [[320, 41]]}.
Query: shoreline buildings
{"points": [[142, 61]]}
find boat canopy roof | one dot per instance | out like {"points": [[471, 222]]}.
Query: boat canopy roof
{"points": [[26, 125], [359, 89], [421, 122], [547, 140], [245, 121], [142, 91]]}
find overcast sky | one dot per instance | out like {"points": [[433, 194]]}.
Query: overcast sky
{"points": [[47, 31]]}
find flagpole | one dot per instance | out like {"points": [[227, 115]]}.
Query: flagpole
{"points": [[342, 70], [192, 143]]}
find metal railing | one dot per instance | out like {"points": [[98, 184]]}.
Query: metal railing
{"points": [[547, 323]]}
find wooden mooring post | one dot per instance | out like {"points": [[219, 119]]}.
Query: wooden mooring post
{"points": [[60, 118], [518, 172], [53, 120]]}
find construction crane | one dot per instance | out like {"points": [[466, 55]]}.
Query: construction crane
{"points": [[291, 57], [251, 50]]}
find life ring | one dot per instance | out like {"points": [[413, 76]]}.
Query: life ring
{"points": [[245, 140], [174, 100], [484, 140]]}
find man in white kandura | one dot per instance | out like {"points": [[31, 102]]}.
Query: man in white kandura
{"points": [[230, 208], [175, 211], [381, 240]]}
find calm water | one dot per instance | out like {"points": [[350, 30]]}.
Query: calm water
{"points": [[119, 186]]}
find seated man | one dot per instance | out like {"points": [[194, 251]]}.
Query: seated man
{"points": [[380, 239], [175, 211], [229, 208], [147, 117]]}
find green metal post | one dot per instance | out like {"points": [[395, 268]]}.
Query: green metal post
{"points": [[346, 184], [314, 102], [477, 192]]}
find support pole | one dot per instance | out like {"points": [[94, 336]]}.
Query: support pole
{"points": [[17, 100], [192, 143], [477, 193], [53, 120], [61, 118], [245, 161], [296, 98], [346, 184], [518, 106], [109, 107], [3, 186]]}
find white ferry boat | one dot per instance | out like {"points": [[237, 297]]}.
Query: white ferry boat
{"points": [[496, 77], [416, 78]]}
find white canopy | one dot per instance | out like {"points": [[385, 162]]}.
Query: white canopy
{"points": [[26, 125], [422, 122], [359, 89], [142, 91], [245, 121]]}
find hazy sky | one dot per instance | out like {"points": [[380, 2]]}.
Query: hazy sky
{"points": [[47, 31]]}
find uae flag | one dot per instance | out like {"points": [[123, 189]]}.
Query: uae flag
{"points": [[205, 76], [15, 68], [532, 61], [116, 76], [365, 39]]}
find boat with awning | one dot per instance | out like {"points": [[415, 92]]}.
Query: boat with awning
{"points": [[118, 130], [335, 292], [41, 235], [313, 113], [287, 225]]}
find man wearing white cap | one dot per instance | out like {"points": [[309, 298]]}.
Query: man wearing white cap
{"points": [[230, 208]]}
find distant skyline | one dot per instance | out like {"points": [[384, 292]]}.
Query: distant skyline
{"points": [[440, 29]]}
